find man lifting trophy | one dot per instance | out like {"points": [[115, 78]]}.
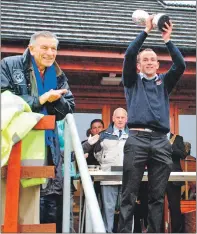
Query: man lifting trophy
{"points": [[139, 17], [147, 92]]}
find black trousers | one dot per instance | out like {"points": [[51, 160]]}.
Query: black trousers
{"points": [[141, 149], [141, 209], [97, 188], [51, 210], [174, 197]]}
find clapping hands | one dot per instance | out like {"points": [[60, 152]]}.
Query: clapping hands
{"points": [[52, 95], [93, 139], [56, 94]]}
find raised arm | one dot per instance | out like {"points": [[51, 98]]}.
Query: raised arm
{"points": [[174, 74], [129, 75]]}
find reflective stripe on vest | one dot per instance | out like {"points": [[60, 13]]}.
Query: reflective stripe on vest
{"points": [[32, 162], [33, 154]]}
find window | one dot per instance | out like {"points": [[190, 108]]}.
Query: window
{"points": [[83, 121], [187, 129]]}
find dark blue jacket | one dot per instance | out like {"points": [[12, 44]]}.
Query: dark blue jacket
{"points": [[17, 76], [148, 100], [178, 152]]}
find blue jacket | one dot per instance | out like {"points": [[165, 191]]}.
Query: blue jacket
{"points": [[60, 128], [148, 100], [17, 76]]}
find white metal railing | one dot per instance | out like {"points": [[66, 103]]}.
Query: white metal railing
{"points": [[72, 141]]}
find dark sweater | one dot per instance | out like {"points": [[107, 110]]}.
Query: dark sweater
{"points": [[87, 148], [148, 100], [178, 152]]}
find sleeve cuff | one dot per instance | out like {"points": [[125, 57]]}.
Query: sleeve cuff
{"points": [[167, 41]]}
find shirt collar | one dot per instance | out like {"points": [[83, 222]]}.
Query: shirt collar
{"points": [[142, 75], [116, 131]]}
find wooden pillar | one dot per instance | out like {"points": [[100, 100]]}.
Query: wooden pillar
{"points": [[12, 190], [167, 223], [186, 182], [106, 115], [174, 118]]}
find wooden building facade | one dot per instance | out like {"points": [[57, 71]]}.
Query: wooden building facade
{"points": [[93, 38]]}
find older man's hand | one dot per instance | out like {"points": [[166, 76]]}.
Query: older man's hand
{"points": [[54, 95]]}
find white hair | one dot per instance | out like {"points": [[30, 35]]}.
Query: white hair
{"points": [[46, 34], [120, 109]]}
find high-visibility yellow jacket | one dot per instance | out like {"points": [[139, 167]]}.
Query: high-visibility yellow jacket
{"points": [[17, 121]]}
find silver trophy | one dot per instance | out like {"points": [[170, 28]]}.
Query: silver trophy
{"points": [[139, 17]]}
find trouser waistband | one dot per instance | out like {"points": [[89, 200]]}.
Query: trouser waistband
{"points": [[145, 133], [143, 129]]}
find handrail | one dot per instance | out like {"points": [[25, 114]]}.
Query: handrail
{"points": [[100, 175], [70, 130]]}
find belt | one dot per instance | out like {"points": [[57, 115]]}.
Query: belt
{"points": [[146, 132], [142, 129]]}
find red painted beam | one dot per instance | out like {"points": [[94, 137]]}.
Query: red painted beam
{"points": [[109, 93], [32, 172], [103, 88], [47, 122], [35, 228], [99, 94], [104, 68], [91, 53], [121, 96]]}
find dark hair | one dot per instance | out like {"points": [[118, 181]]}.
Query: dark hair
{"points": [[96, 121], [88, 132], [187, 148]]}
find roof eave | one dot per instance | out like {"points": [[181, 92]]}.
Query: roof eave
{"points": [[99, 45], [173, 7]]}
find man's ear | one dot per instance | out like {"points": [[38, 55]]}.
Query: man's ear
{"points": [[126, 119], [31, 49], [158, 65], [138, 66]]}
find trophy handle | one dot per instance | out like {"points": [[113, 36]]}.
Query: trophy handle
{"points": [[159, 21]]}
